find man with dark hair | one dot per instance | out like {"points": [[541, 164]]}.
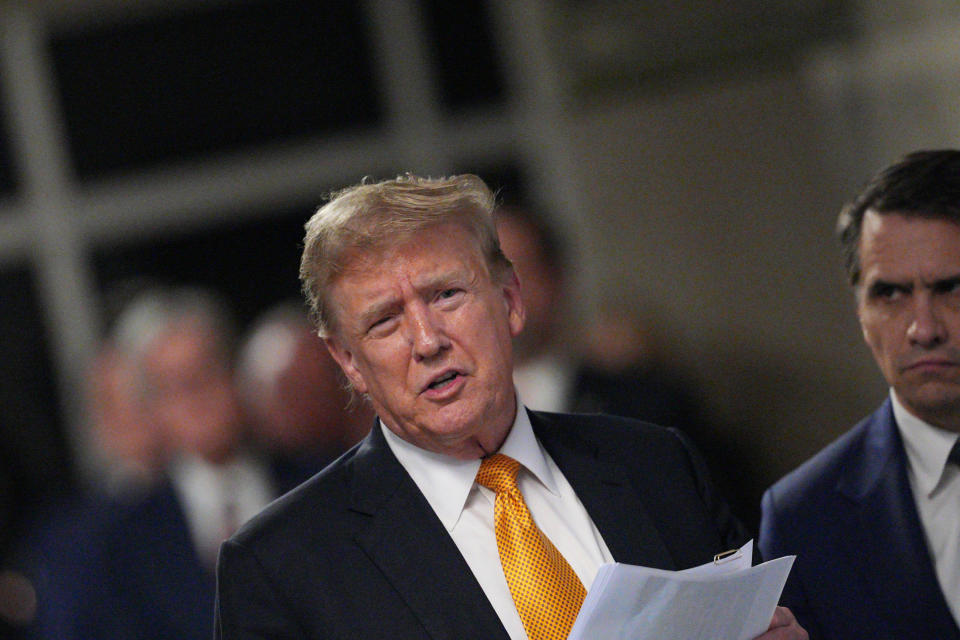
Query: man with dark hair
{"points": [[554, 369], [462, 514], [874, 519]]}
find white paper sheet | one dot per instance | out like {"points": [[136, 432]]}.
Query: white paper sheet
{"points": [[725, 600]]}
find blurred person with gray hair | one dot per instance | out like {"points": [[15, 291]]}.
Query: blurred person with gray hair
{"points": [[300, 411], [155, 580], [130, 444]]}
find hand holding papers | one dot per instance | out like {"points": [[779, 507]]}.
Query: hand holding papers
{"points": [[726, 599]]}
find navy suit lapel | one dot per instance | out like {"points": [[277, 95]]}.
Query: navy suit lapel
{"points": [[605, 491], [409, 544], [886, 539]]}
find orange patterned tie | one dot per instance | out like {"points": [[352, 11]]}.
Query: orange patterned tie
{"points": [[547, 592]]}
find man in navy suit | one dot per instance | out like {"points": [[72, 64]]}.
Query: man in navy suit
{"points": [[874, 519], [153, 577], [418, 305]]}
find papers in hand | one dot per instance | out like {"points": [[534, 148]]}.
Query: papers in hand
{"points": [[726, 599]]}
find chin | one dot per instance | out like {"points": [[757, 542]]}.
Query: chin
{"points": [[938, 406]]}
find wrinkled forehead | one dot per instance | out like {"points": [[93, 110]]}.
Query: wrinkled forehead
{"points": [[423, 258]]}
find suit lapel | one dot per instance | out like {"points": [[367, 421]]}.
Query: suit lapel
{"points": [[409, 544], [893, 558], [605, 491]]}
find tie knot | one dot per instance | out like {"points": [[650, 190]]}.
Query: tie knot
{"points": [[499, 473]]}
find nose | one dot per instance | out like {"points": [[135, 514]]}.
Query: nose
{"points": [[926, 329], [425, 332]]}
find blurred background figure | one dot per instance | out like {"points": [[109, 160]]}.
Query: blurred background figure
{"points": [[611, 367], [616, 364], [300, 412], [122, 429], [64, 539], [155, 578]]}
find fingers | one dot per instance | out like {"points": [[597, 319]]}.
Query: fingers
{"points": [[784, 626], [782, 617]]}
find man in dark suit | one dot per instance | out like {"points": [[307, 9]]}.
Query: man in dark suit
{"points": [[610, 363], [874, 519], [152, 577], [418, 306]]}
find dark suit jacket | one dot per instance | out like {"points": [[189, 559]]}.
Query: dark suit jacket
{"points": [[863, 569], [60, 547], [357, 552], [149, 583]]}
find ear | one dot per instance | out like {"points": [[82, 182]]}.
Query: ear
{"points": [[516, 312], [347, 361]]}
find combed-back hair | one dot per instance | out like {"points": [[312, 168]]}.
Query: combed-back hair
{"points": [[383, 214], [924, 184]]}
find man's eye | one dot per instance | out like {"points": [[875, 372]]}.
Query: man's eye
{"points": [[884, 291], [380, 324], [449, 294], [948, 286]]}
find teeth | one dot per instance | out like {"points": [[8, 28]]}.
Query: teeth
{"points": [[442, 380]]}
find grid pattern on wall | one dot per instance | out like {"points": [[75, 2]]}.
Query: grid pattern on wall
{"points": [[188, 140]]}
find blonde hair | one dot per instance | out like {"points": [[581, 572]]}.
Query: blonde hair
{"points": [[384, 214]]}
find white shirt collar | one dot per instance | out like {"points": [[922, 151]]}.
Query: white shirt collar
{"points": [[927, 446], [216, 498], [446, 482]]}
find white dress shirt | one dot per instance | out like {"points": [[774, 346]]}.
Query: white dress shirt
{"points": [[217, 499], [466, 510], [936, 491]]}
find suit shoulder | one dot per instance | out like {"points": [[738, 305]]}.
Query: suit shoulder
{"points": [[319, 500], [818, 477], [613, 437], [603, 426]]}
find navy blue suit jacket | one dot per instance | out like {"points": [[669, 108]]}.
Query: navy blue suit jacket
{"points": [[357, 551], [149, 583], [863, 569]]}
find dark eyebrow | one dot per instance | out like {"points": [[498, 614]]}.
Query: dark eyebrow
{"points": [[879, 287], [946, 284]]}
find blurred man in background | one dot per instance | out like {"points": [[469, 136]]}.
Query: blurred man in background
{"points": [[301, 413], [874, 518], [64, 541], [126, 434], [615, 365], [156, 577]]}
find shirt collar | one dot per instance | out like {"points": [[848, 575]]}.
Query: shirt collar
{"points": [[446, 482], [927, 446]]}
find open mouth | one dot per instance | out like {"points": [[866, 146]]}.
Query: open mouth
{"points": [[443, 380]]}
